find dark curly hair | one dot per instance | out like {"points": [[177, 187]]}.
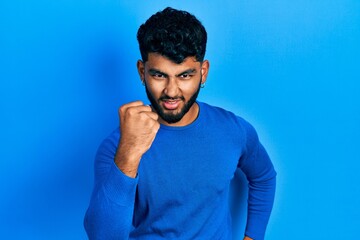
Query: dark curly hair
{"points": [[174, 34]]}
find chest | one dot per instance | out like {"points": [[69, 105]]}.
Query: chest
{"points": [[182, 166]]}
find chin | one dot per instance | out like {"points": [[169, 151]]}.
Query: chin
{"points": [[171, 117]]}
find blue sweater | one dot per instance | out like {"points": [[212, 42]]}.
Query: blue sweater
{"points": [[182, 187]]}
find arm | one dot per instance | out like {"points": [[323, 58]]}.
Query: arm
{"points": [[110, 212], [111, 208], [260, 173]]}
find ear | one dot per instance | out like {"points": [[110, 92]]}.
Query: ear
{"points": [[141, 70], [205, 65]]}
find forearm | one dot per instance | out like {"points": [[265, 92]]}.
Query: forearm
{"points": [[105, 219], [262, 182], [111, 208], [260, 203]]}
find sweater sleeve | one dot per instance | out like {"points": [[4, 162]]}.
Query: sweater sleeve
{"points": [[260, 173], [110, 212]]}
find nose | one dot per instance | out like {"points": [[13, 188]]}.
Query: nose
{"points": [[172, 88]]}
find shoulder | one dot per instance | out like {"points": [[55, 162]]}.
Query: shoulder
{"points": [[236, 127], [215, 113], [226, 117]]}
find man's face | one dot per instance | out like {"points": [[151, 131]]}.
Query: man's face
{"points": [[173, 88]]}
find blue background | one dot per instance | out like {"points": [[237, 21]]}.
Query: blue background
{"points": [[292, 68]]}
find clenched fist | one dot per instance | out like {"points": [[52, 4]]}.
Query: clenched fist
{"points": [[138, 127]]}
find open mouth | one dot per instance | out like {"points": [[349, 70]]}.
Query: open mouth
{"points": [[171, 104]]}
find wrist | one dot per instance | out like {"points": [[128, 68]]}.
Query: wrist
{"points": [[127, 152], [127, 159]]}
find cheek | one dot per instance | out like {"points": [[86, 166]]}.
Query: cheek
{"points": [[155, 89], [190, 88]]}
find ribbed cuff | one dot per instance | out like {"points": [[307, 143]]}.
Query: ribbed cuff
{"points": [[120, 188]]}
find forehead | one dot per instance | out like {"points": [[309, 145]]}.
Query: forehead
{"points": [[161, 63]]}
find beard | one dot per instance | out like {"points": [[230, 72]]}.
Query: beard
{"points": [[171, 117]]}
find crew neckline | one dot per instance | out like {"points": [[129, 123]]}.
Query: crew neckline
{"points": [[193, 124]]}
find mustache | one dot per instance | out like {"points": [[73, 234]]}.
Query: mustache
{"points": [[166, 98]]}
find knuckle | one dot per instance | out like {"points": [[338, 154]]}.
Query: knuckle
{"points": [[153, 115], [131, 111], [143, 117], [121, 109]]}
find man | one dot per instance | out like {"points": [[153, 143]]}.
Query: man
{"points": [[166, 173]]}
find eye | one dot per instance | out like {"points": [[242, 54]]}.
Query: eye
{"points": [[158, 75], [185, 76]]}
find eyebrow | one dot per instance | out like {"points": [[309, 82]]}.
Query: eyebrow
{"points": [[154, 71], [193, 70]]}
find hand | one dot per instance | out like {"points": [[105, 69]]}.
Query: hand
{"points": [[138, 127], [247, 238]]}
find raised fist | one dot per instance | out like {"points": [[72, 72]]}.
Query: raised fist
{"points": [[138, 127]]}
